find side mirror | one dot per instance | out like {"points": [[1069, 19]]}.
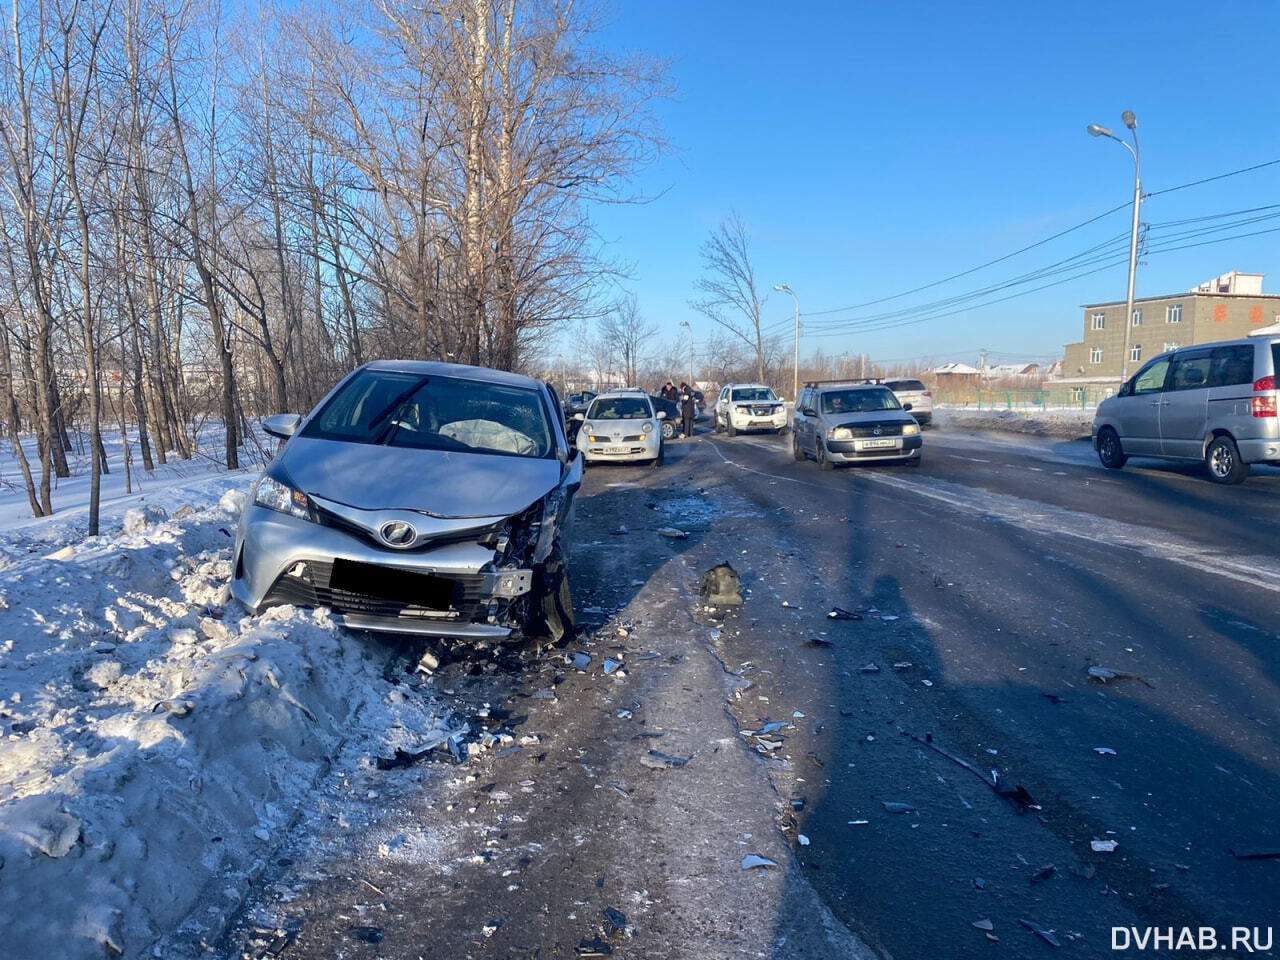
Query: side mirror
{"points": [[282, 425], [579, 417], [661, 414], [808, 411]]}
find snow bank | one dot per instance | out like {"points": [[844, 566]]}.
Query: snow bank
{"points": [[1059, 424], [155, 744]]}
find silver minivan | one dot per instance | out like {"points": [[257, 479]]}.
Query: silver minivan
{"points": [[1214, 402]]}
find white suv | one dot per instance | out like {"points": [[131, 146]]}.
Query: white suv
{"points": [[749, 406], [914, 396], [621, 425]]}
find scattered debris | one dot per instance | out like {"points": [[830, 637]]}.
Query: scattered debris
{"points": [[927, 683], [888, 617], [1103, 846], [984, 925], [581, 661], [839, 613], [510, 751], [663, 761], [649, 656], [1043, 874], [903, 665], [615, 921], [366, 934], [1103, 674], [979, 883], [1104, 751], [625, 714], [1251, 853], [892, 806], [721, 586], [1054, 698], [791, 606], [402, 758], [611, 665], [491, 927], [1045, 935], [797, 715], [817, 642], [622, 530], [797, 804], [671, 533], [802, 839], [752, 860], [595, 947], [869, 668], [1017, 794]]}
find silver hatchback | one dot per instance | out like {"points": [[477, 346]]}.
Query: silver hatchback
{"points": [[1210, 402]]}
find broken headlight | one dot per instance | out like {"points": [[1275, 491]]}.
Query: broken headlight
{"points": [[274, 495]]}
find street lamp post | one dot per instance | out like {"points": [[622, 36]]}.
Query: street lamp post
{"points": [[685, 324], [1094, 129], [795, 369]]}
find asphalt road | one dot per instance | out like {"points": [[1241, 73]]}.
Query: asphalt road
{"points": [[987, 582]]}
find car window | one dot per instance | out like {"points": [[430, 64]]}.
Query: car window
{"points": [[1151, 378], [859, 401], [1231, 366], [1188, 371], [435, 413], [905, 385], [753, 395], [619, 408]]}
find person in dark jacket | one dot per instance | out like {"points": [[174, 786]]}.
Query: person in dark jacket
{"points": [[687, 409], [669, 392]]}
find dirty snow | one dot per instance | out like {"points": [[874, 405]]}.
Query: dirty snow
{"points": [[155, 745]]}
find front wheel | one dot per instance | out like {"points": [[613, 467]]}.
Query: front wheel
{"points": [[824, 461], [782, 430], [1110, 452], [668, 430], [550, 610], [657, 461], [730, 429], [1224, 463], [795, 447]]}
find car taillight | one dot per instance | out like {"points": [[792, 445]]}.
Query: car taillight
{"points": [[928, 394], [1264, 406]]}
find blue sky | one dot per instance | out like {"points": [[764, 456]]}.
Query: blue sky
{"points": [[871, 148]]}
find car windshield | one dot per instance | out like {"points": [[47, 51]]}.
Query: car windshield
{"points": [[752, 394], [435, 413], [620, 408], [906, 385], [859, 401]]}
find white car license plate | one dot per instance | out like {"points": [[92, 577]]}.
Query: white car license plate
{"points": [[877, 444], [617, 449]]}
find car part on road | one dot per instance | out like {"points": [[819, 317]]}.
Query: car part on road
{"points": [[721, 586], [1043, 874], [892, 806], [672, 533], [839, 613], [753, 861], [1045, 935], [657, 760]]}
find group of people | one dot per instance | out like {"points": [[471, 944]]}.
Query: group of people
{"points": [[682, 396]]}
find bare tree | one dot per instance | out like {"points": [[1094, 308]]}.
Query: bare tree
{"points": [[729, 294], [627, 335]]}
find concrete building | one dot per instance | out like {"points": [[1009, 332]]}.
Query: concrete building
{"points": [[1230, 306]]}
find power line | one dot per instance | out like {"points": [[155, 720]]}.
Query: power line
{"points": [[1221, 176]]}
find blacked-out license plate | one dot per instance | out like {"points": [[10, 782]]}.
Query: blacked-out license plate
{"points": [[387, 583]]}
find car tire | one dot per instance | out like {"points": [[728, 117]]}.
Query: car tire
{"points": [[730, 429], [913, 461], [668, 430], [657, 461], [795, 448], [824, 462], [550, 612], [782, 430], [1110, 453], [1223, 462]]}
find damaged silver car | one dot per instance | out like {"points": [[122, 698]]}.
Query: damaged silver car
{"points": [[417, 497]]}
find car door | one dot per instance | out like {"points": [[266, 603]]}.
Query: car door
{"points": [[721, 414], [802, 423], [1185, 405], [1137, 412]]}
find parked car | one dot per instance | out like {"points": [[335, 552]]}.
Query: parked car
{"points": [[745, 407], [622, 426], [848, 422], [914, 397], [1211, 402], [417, 497], [671, 418]]}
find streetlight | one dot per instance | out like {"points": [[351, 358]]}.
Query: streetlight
{"points": [[685, 324], [795, 370], [1131, 122]]}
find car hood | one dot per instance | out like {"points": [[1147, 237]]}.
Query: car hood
{"points": [[443, 483]]}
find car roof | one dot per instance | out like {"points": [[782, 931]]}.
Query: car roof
{"points": [[765, 385], [846, 385], [439, 368], [623, 392]]}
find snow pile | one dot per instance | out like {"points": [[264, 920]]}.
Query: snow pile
{"points": [[154, 743], [1063, 424]]}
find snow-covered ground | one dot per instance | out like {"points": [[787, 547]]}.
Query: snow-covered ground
{"points": [[155, 744]]}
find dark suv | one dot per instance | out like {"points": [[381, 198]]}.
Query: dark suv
{"points": [[843, 421]]}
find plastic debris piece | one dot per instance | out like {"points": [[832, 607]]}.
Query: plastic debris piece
{"points": [[984, 925], [773, 726], [1044, 873], [622, 530], [615, 921], [672, 533], [797, 804], [869, 668], [1103, 846], [662, 761], [753, 860], [544, 695], [858, 823], [1045, 935], [402, 758], [649, 656], [802, 839], [903, 665], [491, 927], [927, 683], [611, 665], [892, 806], [625, 714], [1103, 674], [366, 934], [721, 587], [1104, 751], [889, 617], [979, 883], [839, 613], [1252, 853], [817, 642], [595, 947], [581, 661]]}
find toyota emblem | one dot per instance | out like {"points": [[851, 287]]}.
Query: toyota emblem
{"points": [[398, 534], [876, 431]]}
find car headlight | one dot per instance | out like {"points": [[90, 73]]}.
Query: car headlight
{"points": [[910, 429], [647, 428], [839, 433], [278, 496]]}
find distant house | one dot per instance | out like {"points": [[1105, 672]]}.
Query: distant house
{"points": [[955, 373], [1013, 371]]}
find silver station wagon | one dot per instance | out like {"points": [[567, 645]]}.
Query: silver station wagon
{"points": [[850, 422], [1211, 402]]}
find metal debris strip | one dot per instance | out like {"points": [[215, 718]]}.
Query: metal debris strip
{"points": [[611, 665], [839, 613], [753, 861], [581, 660], [869, 668], [817, 642], [893, 806], [595, 947], [1103, 674], [658, 760], [1016, 793], [1254, 853], [672, 533], [1045, 935], [615, 921], [1104, 751]]}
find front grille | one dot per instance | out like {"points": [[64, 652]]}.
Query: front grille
{"points": [[864, 430], [767, 410], [313, 589]]}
